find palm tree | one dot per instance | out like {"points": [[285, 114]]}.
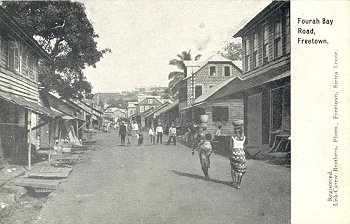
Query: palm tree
{"points": [[176, 76]]}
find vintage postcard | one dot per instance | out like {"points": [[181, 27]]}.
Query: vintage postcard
{"points": [[159, 111]]}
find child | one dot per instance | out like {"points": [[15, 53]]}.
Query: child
{"points": [[204, 150]]}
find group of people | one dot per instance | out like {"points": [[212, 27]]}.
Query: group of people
{"points": [[203, 144], [131, 132], [158, 133], [128, 132], [236, 156]]}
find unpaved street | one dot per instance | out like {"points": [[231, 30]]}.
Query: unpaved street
{"points": [[164, 184]]}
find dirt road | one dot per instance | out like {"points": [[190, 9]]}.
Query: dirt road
{"points": [[164, 184]]}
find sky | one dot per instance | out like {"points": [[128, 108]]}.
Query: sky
{"points": [[144, 35]]}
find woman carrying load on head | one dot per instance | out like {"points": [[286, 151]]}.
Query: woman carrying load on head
{"points": [[204, 151], [237, 154]]}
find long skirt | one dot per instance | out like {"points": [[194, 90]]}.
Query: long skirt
{"points": [[238, 160], [205, 160]]}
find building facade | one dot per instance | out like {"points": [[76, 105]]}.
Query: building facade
{"points": [[265, 83], [199, 80], [20, 56]]}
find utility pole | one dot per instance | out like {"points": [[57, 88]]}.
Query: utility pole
{"points": [[192, 97]]}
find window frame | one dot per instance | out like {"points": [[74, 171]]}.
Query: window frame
{"points": [[247, 55], [210, 73], [277, 40], [256, 50], [266, 45], [229, 70], [195, 92]]}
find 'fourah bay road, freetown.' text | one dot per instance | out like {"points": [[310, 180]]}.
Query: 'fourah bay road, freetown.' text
{"points": [[306, 27]]}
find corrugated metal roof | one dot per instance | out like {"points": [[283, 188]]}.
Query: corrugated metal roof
{"points": [[213, 90], [32, 106], [242, 84], [167, 108]]}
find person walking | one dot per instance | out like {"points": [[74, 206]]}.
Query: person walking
{"points": [[159, 133], [172, 134], [237, 154], [122, 133], [128, 134], [204, 150], [151, 135], [135, 130]]}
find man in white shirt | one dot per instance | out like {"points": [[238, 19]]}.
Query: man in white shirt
{"points": [[172, 134], [135, 129], [159, 133]]}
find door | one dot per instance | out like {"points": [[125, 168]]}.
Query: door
{"points": [[254, 121]]}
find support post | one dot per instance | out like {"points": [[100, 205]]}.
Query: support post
{"points": [[30, 140]]}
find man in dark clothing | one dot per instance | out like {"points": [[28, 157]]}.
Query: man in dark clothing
{"points": [[122, 133]]}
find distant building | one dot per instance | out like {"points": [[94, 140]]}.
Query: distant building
{"points": [[151, 90], [131, 109], [114, 113], [102, 98]]}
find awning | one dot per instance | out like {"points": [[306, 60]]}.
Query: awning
{"points": [[238, 85], [32, 106]]}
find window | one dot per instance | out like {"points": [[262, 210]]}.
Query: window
{"points": [[287, 31], [146, 108], [280, 108], [212, 70], [278, 39], [266, 45], [11, 55], [4, 52], [227, 71], [247, 55], [219, 114], [198, 91], [31, 71], [141, 109], [256, 47], [150, 101]]}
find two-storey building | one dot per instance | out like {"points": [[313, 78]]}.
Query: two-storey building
{"points": [[199, 78], [20, 56], [265, 84]]}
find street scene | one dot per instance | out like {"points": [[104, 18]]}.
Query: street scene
{"points": [[165, 184], [120, 112]]}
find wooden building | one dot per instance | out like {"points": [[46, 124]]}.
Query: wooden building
{"points": [[265, 84], [200, 77], [19, 94]]}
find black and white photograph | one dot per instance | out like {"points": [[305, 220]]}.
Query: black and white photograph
{"points": [[145, 111]]}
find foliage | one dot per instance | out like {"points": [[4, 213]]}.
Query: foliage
{"points": [[176, 76], [66, 34], [233, 51]]}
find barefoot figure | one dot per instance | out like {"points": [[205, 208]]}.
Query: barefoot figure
{"points": [[237, 156], [204, 151]]}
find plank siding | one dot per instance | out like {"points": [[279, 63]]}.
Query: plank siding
{"points": [[18, 87], [236, 111]]}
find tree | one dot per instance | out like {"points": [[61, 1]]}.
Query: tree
{"points": [[66, 34], [176, 76], [232, 51]]}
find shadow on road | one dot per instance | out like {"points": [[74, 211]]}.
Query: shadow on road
{"points": [[195, 176]]}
